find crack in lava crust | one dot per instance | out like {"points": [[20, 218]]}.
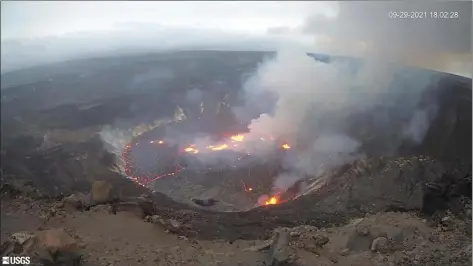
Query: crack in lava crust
{"points": [[143, 179]]}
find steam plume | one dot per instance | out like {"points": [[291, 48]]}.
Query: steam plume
{"points": [[315, 101]]}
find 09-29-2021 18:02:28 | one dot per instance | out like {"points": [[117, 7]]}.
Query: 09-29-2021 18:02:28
{"points": [[422, 15]]}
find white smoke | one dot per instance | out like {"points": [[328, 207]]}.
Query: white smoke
{"points": [[115, 139], [315, 101], [419, 124], [284, 181]]}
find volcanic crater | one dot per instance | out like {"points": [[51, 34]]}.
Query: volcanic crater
{"points": [[62, 149]]}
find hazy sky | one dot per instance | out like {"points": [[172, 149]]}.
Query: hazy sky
{"points": [[36, 32], [33, 19]]}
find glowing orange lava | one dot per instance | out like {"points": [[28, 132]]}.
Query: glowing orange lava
{"points": [[218, 148], [238, 138], [230, 142], [272, 201], [191, 150]]}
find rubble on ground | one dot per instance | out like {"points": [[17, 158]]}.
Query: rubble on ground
{"points": [[49, 247], [19, 187], [392, 238], [78, 201], [380, 239]]}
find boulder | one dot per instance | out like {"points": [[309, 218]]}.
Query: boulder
{"points": [[56, 240], [205, 202], [77, 201], [362, 230], [379, 244], [141, 206], [320, 240], [279, 249], [50, 247], [101, 192], [21, 237]]}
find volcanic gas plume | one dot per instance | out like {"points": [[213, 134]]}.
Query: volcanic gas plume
{"points": [[316, 100], [318, 116]]}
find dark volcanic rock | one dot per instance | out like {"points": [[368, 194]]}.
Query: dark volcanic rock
{"points": [[366, 186], [205, 202]]}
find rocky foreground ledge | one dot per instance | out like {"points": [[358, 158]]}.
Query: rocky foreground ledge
{"points": [[417, 183], [402, 211], [96, 229]]}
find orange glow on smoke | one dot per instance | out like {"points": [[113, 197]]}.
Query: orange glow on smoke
{"points": [[238, 138], [286, 146], [272, 201]]}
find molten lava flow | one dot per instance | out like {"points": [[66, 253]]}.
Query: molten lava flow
{"points": [[231, 141], [218, 148], [191, 150], [238, 138], [126, 161], [272, 201], [179, 169]]}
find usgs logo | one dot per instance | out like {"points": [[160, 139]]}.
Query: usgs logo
{"points": [[16, 260]]}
